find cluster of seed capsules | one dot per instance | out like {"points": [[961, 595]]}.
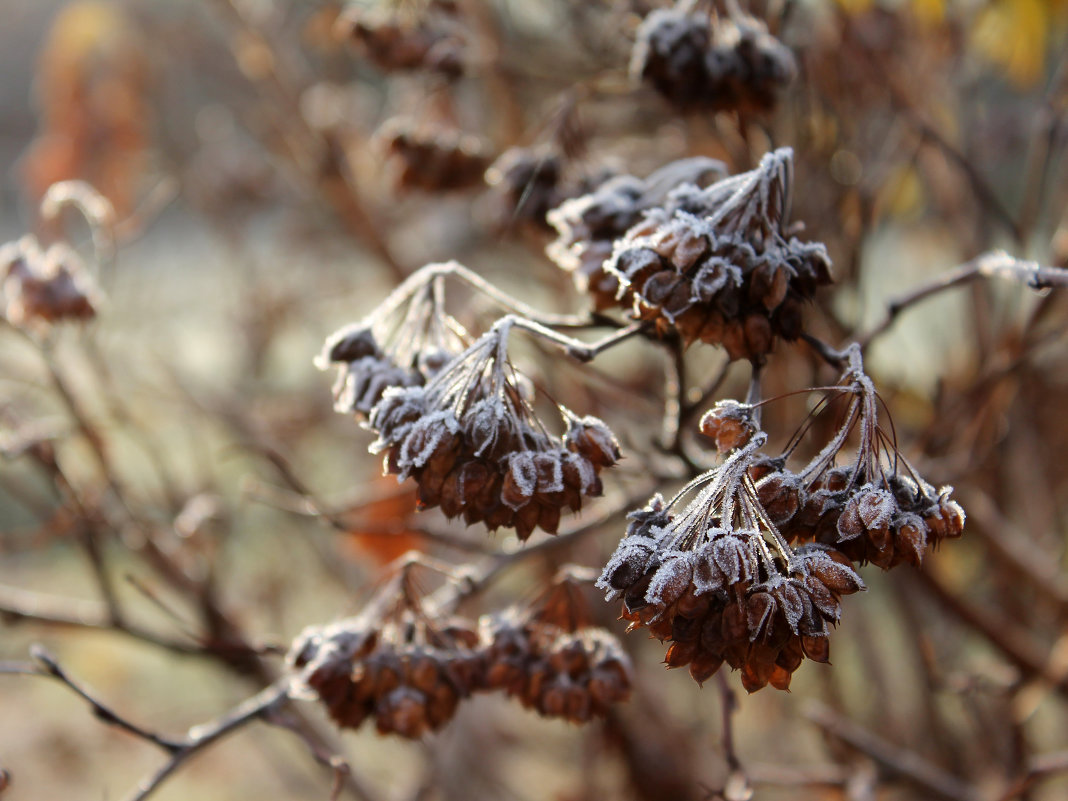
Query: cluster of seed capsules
{"points": [[471, 440], [741, 575], [873, 508], [703, 63], [546, 656], [525, 183], [718, 265], [42, 287], [588, 225], [409, 673], [460, 421], [371, 357], [431, 41], [432, 158]]}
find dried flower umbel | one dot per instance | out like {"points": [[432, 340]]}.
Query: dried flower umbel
{"points": [[404, 347], [472, 442], [874, 507], [432, 158], [548, 657], [397, 42], [399, 662], [588, 225], [698, 62], [525, 184], [720, 582], [720, 264], [40, 288]]}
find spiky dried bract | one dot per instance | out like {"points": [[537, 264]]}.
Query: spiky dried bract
{"points": [[404, 672], [432, 158], [473, 444], [874, 507], [404, 350], [41, 288], [397, 42], [719, 265], [588, 225], [718, 581], [698, 62]]}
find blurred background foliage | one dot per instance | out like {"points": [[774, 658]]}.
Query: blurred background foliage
{"points": [[245, 148]]}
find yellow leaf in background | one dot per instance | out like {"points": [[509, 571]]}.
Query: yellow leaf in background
{"points": [[1013, 35], [855, 6], [929, 12], [901, 195]]}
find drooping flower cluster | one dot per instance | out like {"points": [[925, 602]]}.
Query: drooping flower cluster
{"points": [[432, 158], [396, 664], [473, 444], [546, 656], [588, 225], [719, 264], [43, 287], [719, 582], [525, 183], [873, 508], [396, 42], [707, 63], [395, 350]]}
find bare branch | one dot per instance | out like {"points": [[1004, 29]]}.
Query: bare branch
{"points": [[900, 761], [993, 264]]}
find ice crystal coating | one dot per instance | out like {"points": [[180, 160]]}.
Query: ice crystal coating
{"points": [[719, 266], [41, 287], [402, 349], [588, 225], [721, 583], [472, 442], [697, 62]]}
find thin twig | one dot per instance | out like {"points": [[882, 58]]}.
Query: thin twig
{"points": [[900, 761], [200, 737], [1000, 631], [48, 666], [53, 610], [1040, 767], [993, 264]]}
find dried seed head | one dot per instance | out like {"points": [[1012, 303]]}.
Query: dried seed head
{"points": [[40, 289], [698, 62], [730, 424], [432, 158], [393, 663], [477, 449], [716, 264], [394, 42], [588, 225]]}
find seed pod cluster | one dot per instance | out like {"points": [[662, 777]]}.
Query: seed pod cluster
{"points": [[525, 183], [473, 444], [394, 664], [404, 672], [432, 158], [575, 675], [718, 265], [395, 42], [405, 352], [719, 582], [870, 510], [40, 288], [588, 225], [702, 63]]}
